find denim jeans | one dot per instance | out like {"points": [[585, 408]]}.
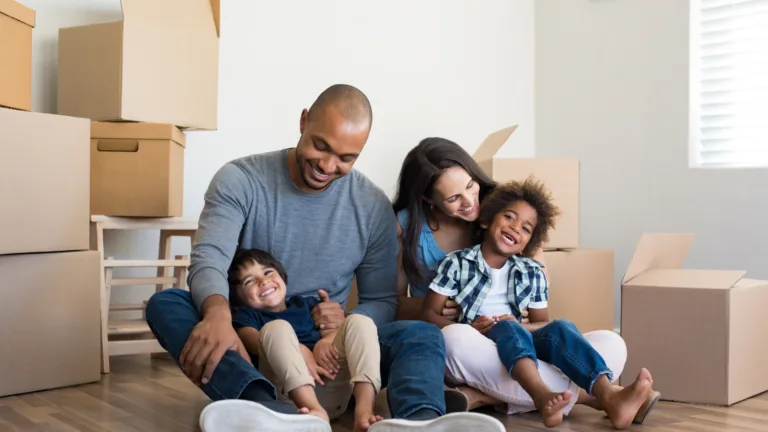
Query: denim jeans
{"points": [[558, 343], [412, 357]]}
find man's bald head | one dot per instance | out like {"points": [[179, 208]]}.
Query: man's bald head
{"points": [[347, 100]]}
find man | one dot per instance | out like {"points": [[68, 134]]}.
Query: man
{"points": [[327, 224]]}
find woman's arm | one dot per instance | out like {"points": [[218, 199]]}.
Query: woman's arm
{"points": [[432, 309], [250, 338]]}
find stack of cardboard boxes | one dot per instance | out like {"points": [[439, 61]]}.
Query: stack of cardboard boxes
{"points": [[141, 80], [580, 280], [49, 283]]}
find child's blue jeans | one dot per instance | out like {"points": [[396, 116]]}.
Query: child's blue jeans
{"points": [[559, 343]]}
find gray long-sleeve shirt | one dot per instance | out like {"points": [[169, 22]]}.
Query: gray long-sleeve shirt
{"points": [[323, 239]]}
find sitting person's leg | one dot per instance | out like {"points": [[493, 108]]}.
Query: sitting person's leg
{"points": [[561, 344], [172, 316], [281, 350], [516, 349], [358, 345]]}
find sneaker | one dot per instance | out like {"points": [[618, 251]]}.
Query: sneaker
{"points": [[456, 422], [455, 401], [237, 415]]}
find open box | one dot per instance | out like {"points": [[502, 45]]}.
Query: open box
{"points": [[159, 64], [701, 333], [561, 176]]}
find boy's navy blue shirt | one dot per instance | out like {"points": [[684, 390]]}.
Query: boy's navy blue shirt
{"points": [[298, 313]]}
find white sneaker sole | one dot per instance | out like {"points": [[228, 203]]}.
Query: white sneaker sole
{"points": [[455, 422], [245, 416]]}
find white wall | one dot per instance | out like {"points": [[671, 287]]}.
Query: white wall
{"points": [[612, 90], [453, 68]]}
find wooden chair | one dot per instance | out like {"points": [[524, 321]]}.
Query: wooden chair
{"points": [[124, 337]]}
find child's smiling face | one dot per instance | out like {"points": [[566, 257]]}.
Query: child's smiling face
{"points": [[511, 229], [261, 287]]}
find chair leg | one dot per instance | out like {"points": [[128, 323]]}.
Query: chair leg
{"points": [[105, 300]]}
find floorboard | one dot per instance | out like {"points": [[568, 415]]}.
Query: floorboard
{"points": [[144, 394]]}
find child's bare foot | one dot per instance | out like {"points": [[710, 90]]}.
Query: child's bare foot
{"points": [[364, 419], [622, 404], [317, 412], [550, 406]]}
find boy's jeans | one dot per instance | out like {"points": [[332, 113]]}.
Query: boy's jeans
{"points": [[559, 343], [412, 357]]}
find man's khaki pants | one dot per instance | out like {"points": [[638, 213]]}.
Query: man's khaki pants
{"points": [[357, 343]]}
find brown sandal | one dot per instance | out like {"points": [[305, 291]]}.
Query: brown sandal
{"points": [[647, 407]]}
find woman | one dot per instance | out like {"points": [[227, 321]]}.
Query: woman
{"points": [[438, 198]]}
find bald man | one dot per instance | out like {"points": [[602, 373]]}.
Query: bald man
{"points": [[327, 224]]}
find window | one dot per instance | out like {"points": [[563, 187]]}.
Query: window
{"points": [[729, 83]]}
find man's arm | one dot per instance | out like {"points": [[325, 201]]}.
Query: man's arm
{"points": [[227, 201], [408, 308], [377, 274]]}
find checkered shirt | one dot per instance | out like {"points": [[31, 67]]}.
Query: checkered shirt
{"points": [[466, 275]]}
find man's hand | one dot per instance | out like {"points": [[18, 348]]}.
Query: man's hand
{"points": [[327, 315], [483, 324], [450, 310], [314, 369], [327, 356], [209, 341]]}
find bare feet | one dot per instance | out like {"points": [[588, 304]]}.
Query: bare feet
{"points": [[364, 419], [317, 412], [622, 404], [476, 398], [550, 406]]}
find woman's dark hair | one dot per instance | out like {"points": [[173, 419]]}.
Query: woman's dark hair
{"points": [[242, 259], [421, 168]]}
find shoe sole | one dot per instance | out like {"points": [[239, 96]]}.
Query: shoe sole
{"points": [[455, 401], [647, 407], [245, 416], [456, 422]]}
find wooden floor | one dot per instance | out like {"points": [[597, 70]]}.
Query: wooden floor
{"points": [[145, 395]]}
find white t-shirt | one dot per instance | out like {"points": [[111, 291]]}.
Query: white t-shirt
{"points": [[496, 302]]}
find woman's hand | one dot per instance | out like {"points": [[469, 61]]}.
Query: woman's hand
{"points": [[450, 310], [524, 319], [315, 370]]}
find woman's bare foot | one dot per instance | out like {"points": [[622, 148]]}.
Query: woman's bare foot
{"points": [[622, 404], [364, 419], [476, 398], [550, 406], [317, 412]]}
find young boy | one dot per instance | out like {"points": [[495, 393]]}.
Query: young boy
{"points": [[493, 282], [281, 332]]}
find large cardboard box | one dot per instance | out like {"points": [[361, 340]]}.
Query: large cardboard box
{"points": [[701, 333], [137, 169], [560, 175], [16, 23], [581, 287], [49, 321], [160, 64], [44, 185]]}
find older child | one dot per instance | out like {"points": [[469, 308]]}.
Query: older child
{"points": [[493, 282], [281, 332]]}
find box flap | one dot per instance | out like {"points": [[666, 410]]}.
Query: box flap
{"points": [[175, 11], [137, 131], [18, 11], [493, 143], [684, 278], [658, 251]]}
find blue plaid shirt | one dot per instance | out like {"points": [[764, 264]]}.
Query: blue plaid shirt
{"points": [[466, 276]]}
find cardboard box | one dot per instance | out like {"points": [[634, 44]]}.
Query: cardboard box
{"points": [[137, 169], [44, 186], [49, 324], [160, 64], [581, 287], [16, 23], [560, 175], [701, 333]]}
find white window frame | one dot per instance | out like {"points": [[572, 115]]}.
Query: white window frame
{"points": [[695, 73]]}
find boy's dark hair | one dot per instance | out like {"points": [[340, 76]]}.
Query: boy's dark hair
{"points": [[242, 258], [536, 195]]}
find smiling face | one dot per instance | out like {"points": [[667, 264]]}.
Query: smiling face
{"points": [[261, 287], [511, 229], [456, 194]]}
